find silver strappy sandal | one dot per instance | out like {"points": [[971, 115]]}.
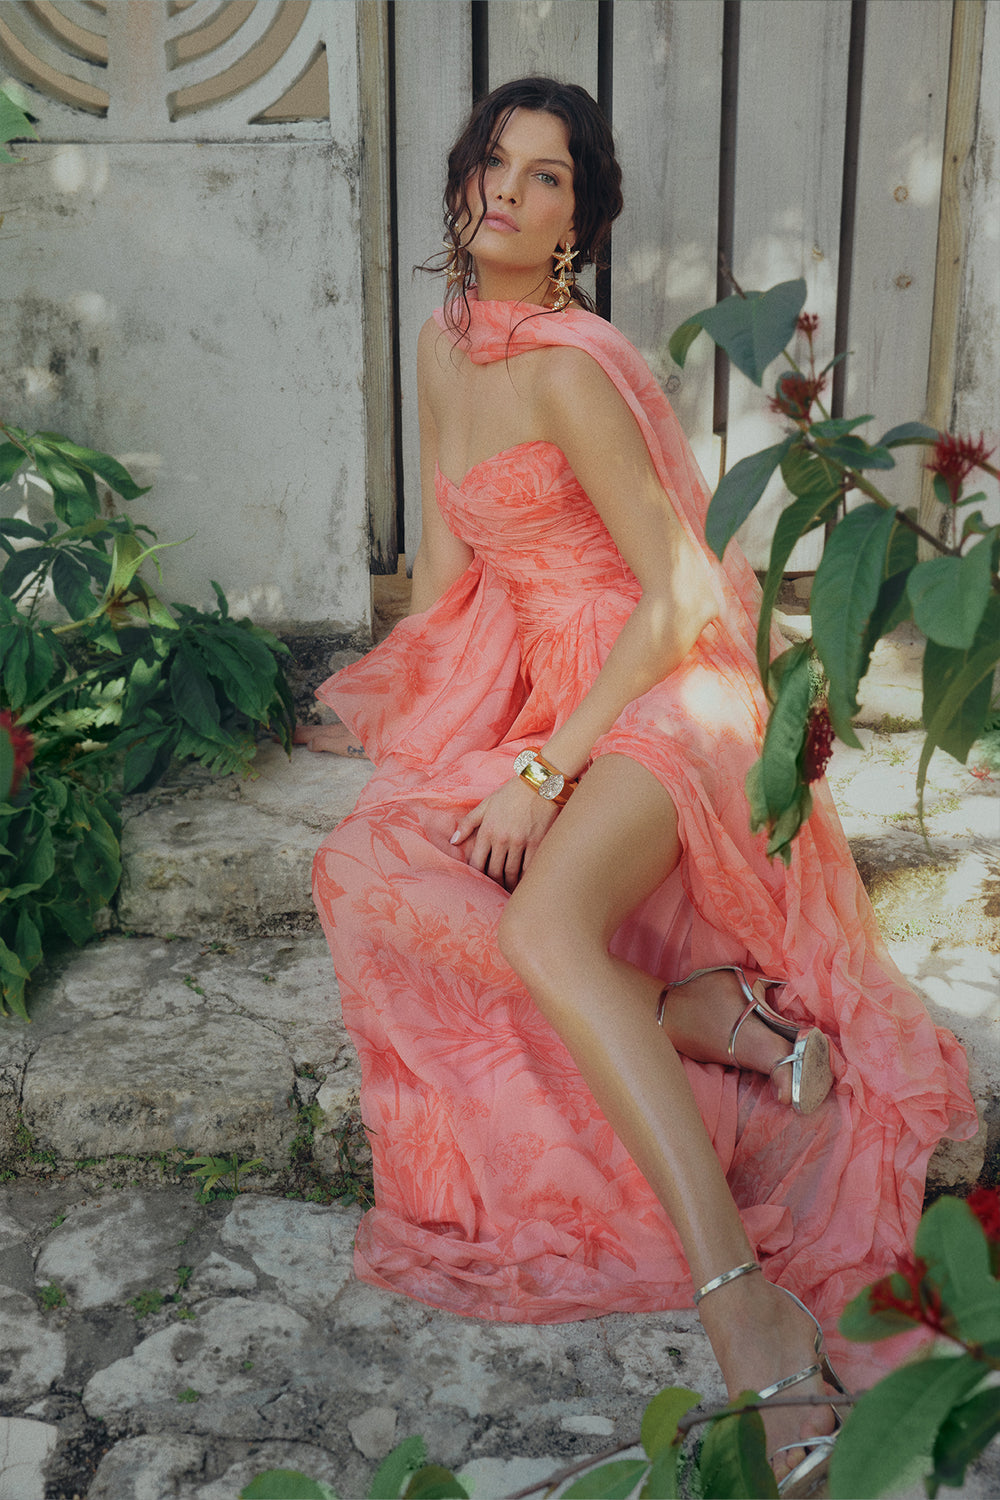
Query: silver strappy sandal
{"points": [[807, 1474], [809, 1059]]}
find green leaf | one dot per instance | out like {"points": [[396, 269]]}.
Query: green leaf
{"points": [[28, 940], [734, 1457], [614, 1481], [393, 1471], [889, 1436], [739, 491], [951, 1240], [844, 596], [114, 474], [836, 426], [752, 329], [786, 730], [907, 433], [192, 694], [435, 1483], [957, 690], [681, 340], [20, 566], [15, 527], [816, 484], [243, 667], [286, 1484], [963, 1435], [74, 920], [13, 977], [38, 861], [11, 456], [949, 595], [146, 762], [97, 858], [660, 1419], [71, 585], [857, 454], [777, 797], [664, 1481], [14, 125], [71, 499]]}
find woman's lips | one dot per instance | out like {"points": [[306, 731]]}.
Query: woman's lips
{"points": [[501, 222]]}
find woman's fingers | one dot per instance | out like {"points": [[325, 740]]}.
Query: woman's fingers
{"points": [[335, 739], [468, 825]]}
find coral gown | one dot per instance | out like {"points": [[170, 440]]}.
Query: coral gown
{"points": [[501, 1191]]}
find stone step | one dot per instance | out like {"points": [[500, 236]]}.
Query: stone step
{"points": [[232, 857], [140, 1051]]}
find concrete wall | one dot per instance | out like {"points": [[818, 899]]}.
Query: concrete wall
{"points": [[193, 305]]}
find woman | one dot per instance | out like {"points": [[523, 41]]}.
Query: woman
{"points": [[554, 855]]}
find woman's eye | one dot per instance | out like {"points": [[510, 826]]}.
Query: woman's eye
{"points": [[493, 161], [548, 177]]}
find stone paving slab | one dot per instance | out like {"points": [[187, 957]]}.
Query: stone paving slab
{"points": [[139, 1047], [211, 859], [258, 1367]]}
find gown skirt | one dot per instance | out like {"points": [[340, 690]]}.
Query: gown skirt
{"points": [[500, 1189]]}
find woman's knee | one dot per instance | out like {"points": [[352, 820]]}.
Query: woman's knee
{"points": [[544, 944]]}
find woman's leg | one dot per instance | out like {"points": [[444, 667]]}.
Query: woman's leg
{"points": [[614, 843]]}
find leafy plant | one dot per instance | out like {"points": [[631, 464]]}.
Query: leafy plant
{"points": [[927, 1420], [211, 1170], [145, 1303], [51, 1296], [97, 700], [871, 577]]}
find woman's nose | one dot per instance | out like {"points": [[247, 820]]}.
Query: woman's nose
{"points": [[507, 187]]}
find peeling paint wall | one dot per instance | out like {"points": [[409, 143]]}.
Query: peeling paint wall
{"points": [[194, 307]]}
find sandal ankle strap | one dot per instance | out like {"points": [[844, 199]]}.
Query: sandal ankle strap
{"points": [[717, 1281]]}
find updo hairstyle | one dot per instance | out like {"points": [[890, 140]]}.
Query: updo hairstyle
{"points": [[596, 173]]}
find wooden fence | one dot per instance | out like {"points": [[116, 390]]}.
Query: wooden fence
{"points": [[846, 141]]}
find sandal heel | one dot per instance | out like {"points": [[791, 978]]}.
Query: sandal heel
{"points": [[809, 1059]]}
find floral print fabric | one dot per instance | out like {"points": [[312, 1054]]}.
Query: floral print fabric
{"points": [[501, 1191]]}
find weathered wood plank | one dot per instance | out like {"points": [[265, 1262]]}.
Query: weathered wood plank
{"points": [[977, 374], [907, 48], [667, 60], [376, 267], [557, 40], [955, 241], [433, 42], [789, 166]]}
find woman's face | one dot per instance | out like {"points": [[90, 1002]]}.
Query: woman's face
{"points": [[528, 189]]}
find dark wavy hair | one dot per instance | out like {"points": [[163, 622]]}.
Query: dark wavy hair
{"points": [[596, 174]]}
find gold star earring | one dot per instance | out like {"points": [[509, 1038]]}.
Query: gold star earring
{"points": [[562, 283]]}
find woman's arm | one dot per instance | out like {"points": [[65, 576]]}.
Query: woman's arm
{"points": [[590, 422], [583, 413], [441, 557]]}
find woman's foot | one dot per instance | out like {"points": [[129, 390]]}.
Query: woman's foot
{"points": [[761, 1335], [701, 1014]]}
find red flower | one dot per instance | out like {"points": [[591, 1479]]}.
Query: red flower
{"points": [[22, 745], [808, 323], [985, 1204], [796, 394], [917, 1299], [954, 458], [818, 746]]}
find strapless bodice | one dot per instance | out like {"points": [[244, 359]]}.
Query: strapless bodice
{"points": [[525, 513]]}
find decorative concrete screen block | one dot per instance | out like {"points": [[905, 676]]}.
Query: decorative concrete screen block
{"points": [[182, 282]]}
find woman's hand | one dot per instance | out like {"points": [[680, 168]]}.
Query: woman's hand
{"points": [[505, 831]]}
